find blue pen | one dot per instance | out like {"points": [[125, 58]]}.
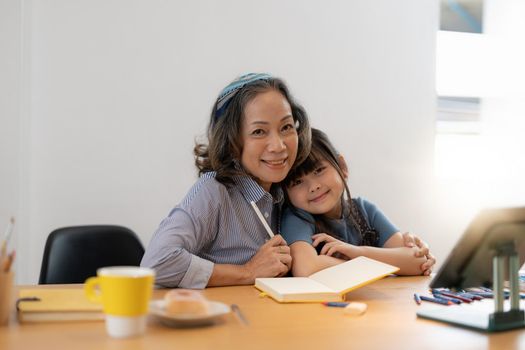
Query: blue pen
{"points": [[335, 304], [457, 296], [483, 294], [441, 296], [507, 294], [417, 298], [439, 290], [469, 295], [435, 300]]}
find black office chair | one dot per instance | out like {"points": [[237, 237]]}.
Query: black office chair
{"points": [[72, 254]]}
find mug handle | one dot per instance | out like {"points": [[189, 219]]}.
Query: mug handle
{"points": [[89, 289]]}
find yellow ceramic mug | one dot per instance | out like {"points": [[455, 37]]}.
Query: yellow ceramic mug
{"points": [[124, 292]]}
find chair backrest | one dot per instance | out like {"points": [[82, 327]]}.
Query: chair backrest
{"points": [[74, 253]]}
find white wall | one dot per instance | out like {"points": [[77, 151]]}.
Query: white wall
{"points": [[10, 110], [119, 89]]}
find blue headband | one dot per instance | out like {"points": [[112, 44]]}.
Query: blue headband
{"points": [[229, 91]]}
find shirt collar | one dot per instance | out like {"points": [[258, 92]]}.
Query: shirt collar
{"points": [[252, 191]]}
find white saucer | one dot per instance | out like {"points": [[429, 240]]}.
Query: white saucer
{"points": [[158, 310]]}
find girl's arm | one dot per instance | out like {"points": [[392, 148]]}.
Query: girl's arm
{"points": [[394, 252], [306, 261]]}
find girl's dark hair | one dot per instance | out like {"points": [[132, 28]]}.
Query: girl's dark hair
{"points": [[322, 149], [224, 145]]}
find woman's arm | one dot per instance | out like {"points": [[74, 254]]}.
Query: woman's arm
{"points": [[393, 252], [306, 261]]}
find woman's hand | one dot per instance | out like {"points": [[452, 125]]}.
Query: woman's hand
{"points": [[273, 259], [413, 241], [333, 246]]}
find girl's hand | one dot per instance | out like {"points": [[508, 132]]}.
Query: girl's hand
{"points": [[411, 240], [333, 246], [323, 237]]}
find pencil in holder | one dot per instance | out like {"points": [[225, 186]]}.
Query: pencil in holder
{"points": [[6, 296]]}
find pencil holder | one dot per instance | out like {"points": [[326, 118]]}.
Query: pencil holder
{"points": [[6, 296]]}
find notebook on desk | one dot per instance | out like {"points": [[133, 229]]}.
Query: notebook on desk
{"points": [[330, 284], [56, 304]]}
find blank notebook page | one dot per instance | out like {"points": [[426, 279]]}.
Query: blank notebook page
{"points": [[353, 273], [295, 285]]}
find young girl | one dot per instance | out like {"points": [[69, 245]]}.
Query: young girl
{"points": [[341, 228], [256, 134]]}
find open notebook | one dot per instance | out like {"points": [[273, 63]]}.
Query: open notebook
{"points": [[330, 284]]}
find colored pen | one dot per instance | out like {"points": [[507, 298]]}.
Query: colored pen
{"points": [[261, 218], [436, 300], [483, 295], [469, 295], [9, 261], [441, 296], [417, 298], [335, 304], [506, 293], [452, 295], [7, 236]]}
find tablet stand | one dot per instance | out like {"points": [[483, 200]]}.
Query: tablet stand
{"points": [[500, 319], [479, 318]]}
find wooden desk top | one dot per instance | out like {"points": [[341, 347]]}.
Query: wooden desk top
{"points": [[390, 322]]}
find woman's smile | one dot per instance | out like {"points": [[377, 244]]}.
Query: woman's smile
{"points": [[277, 164]]}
